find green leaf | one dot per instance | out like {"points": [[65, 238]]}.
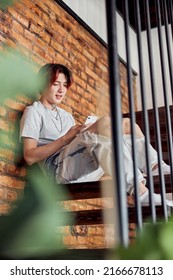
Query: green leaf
{"points": [[5, 3], [34, 227], [17, 76], [155, 242]]}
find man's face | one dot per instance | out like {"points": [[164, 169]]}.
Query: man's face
{"points": [[56, 92]]}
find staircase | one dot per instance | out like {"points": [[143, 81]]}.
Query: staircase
{"points": [[92, 190]]}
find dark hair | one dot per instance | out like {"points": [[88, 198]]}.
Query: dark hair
{"points": [[48, 73]]}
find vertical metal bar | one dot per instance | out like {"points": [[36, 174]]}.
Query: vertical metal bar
{"points": [[116, 116], [132, 113], [170, 5], [167, 111], [144, 105], [169, 45], [153, 93]]}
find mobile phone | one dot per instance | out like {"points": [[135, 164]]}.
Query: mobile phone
{"points": [[91, 119]]}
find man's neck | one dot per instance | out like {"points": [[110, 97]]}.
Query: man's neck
{"points": [[46, 103]]}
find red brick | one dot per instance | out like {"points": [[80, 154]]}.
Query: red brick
{"points": [[2, 193], [7, 154], [53, 6], [35, 28], [17, 26], [35, 58], [18, 16], [91, 82], [3, 111], [15, 105], [11, 196], [38, 12], [12, 116], [57, 45], [12, 169], [50, 51], [91, 73], [45, 36], [5, 29], [89, 55], [27, 14], [10, 182], [40, 52], [20, 39], [43, 7], [4, 125], [79, 82], [4, 208], [29, 35], [24, 99]]}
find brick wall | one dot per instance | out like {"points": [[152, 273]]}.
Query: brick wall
{"points": [[44, 32]]}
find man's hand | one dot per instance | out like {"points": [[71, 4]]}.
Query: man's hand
{"points": [[73, 131]]}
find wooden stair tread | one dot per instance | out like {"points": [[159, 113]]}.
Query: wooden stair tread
{"points": [[75, 254], [90, 190], [162, 120], [94, 217]]}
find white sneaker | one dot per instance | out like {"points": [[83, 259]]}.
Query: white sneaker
{"points": [[165, 167], [144, 199]]}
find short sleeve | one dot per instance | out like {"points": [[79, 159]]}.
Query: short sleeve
{"points": [[30, 123]]}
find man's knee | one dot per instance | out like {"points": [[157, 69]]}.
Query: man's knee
{"points": [[126, 127], [104, 126], [106, 121]]}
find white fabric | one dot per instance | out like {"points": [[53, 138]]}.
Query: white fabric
{"points": [[140, 152], [157, 200], [165, 168], [128, 163], [79, 159]]}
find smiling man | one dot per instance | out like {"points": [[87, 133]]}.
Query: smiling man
{"points": [[52, 139], [73, 152]]}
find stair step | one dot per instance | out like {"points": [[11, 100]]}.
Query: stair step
{"points": [[162, 120], [73, 254], [161, 112], [86, 190], [168, 183], [95, 217], [78, 254], [90, 190]]}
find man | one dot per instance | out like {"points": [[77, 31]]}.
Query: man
{"points": [[74, 152]]}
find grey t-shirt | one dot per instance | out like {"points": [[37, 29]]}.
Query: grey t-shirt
{"points": [[43, 124]]}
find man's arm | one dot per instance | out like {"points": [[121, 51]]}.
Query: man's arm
{"points": [[33, 153]]}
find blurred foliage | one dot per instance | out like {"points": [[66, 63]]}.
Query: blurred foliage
{"points": [[5, 3], [17, 75], [33, 228], [155, 242]]}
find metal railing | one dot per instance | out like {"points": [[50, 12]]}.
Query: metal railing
{"points": [[163, 27]]}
